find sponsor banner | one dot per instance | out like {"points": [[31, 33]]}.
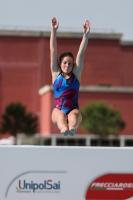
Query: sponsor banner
{"points": [[62, 173], [111, 186]]}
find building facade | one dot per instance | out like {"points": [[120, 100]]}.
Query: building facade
{"points": [[25, 73]]}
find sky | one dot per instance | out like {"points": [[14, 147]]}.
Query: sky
{"points": [[104, 15]]}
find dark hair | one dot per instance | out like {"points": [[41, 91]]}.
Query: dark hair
{"points": [[64, 55]]}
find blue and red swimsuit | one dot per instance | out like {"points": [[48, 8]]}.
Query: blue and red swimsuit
{"points": [[66, 93]]}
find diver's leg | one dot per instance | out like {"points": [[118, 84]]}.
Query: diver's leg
{"points": [[60, 119], [74, 119]]}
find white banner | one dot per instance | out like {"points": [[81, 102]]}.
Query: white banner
{"points": [[62, 173]]}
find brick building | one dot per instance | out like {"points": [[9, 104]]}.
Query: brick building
{"points": [[25, 73]]}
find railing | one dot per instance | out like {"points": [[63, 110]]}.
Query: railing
{"points": [[77, 140], [48, 28]]}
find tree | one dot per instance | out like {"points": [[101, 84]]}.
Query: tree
{"points": [[15, 120], [100, 119]]}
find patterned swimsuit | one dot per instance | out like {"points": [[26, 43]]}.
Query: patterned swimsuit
{"points": [[66, 93]]}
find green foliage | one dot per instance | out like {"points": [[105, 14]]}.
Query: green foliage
{"points": [[100, 119], [15, 120]]}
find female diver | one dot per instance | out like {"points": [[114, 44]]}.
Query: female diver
{"points": [[66, 78]]}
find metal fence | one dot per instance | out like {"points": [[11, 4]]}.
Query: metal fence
{"points": [[77, 140]]}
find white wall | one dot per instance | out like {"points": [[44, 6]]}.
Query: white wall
{"points": [[62, 173]]}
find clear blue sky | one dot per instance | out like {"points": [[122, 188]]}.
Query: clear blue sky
{"points": [[105, 15]]}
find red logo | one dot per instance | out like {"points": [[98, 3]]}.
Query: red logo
{"points": [[111, 187]]}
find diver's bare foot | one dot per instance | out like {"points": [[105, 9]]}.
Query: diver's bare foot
{"points": [[64, 131], [72, 131]]}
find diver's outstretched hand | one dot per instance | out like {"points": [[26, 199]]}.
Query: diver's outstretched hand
{"points": [[86, 27], [54, 24]]}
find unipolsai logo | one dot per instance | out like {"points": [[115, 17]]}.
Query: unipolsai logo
{"points": [[33, 182], [47, 186]]}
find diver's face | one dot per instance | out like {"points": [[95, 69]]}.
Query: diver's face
{"points": [[67, 64]]}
